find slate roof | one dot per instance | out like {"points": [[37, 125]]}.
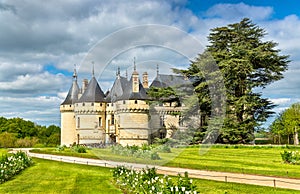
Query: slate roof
{"points": [[93, 92], [72, 94], [162, 81], [122, 90]]}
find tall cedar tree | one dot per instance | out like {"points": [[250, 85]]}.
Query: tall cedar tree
{"points": [[245, 62]]}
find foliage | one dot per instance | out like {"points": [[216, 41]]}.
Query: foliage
{"points": [[245, 62], [78, 148], [13, 165], [147, 181], [61, 148], [286, 124], [7, 140], [162, 94], [17, 132], [146, 152], [291, 157]]}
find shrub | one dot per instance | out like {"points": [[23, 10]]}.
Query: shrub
{"points": [[147, 152], [148, 181], [154, 156], [164, 148], [78, 149], [26, 142], [291, 157], [13, 165], [61, 148]]}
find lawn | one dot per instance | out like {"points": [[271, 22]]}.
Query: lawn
{"points": [[57, 177], [261, 160], [3, 151], [240, 159]]}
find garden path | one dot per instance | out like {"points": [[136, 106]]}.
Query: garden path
{"points": [[278, 182]]}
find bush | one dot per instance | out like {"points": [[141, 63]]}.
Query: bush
{"points": [[290, 157], [7, 140], [13, 165], [147, 152], [148, 181], [26, 142], [61, 148], [78, 149], [164, 148], [155, 156]]}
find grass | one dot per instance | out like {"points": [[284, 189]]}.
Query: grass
{"points": [[248, 160], [3, 152], [260, 160], [57, 177]]}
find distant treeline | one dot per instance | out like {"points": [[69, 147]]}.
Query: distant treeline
{"points": [[17, 132]]}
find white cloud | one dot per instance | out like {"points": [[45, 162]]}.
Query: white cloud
{"points": [[43, 83], [34, 34], [280, 100], [233, 11], [43, 110]]}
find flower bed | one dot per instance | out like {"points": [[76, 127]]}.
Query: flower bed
{"points": [[291, 157], [13, 165], [147, 181]]}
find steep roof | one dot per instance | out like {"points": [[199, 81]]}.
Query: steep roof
{"points": [[72, 94], [93, 92], [122, 90], [162, 81], [118, 89]]}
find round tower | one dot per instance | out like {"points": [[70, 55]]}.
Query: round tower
{"points": [[68, 125], [90, 115]]}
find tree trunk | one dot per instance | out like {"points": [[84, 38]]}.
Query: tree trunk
{"points": [[296, 139]]}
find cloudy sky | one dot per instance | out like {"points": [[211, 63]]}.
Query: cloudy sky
{"points": [[40, 41]]}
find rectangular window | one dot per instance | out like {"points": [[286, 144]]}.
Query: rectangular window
{"points": [[112, 119], [78, 122], [100, 122]]}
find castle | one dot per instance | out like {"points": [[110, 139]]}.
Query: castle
{"points": [[124, 115]]}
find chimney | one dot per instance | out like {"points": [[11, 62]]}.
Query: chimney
{"points": [[145, 80], [85, 83], [135, 82]]}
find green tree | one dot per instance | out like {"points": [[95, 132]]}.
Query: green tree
{"points": [[246, 62], [7, 140], [22, 133], [287, 124], [291, 118], [278, 131]]}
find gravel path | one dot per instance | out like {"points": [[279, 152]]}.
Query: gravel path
{"points": [[202, 174]]}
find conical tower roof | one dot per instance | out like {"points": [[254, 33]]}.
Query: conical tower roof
{"points": [[93, 93], [72, 96]]}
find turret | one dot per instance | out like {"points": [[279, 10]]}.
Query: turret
{"points": [[68, 128]]}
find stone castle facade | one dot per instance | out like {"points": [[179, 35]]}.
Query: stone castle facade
{"points": [[124, 115]]}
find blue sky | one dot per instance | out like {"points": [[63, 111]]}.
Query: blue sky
{"points": [[41, 42]]}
